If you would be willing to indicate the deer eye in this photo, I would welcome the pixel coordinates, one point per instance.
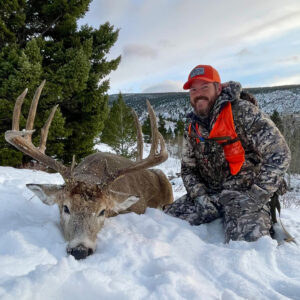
(101, 213)
(66, 209)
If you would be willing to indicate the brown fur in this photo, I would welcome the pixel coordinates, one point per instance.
(103, 184)
(150, 185)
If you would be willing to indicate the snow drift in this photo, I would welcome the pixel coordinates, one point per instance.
(150, 256)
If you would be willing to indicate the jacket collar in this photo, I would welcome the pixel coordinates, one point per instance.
(229, 93)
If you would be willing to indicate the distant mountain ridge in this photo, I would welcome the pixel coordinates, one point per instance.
(175, 106)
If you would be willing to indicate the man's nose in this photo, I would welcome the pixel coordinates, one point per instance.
(197, 93)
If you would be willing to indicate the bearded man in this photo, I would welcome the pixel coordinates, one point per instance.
(233, 160)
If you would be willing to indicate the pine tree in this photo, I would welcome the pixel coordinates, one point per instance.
(40, 40)
(275, 117)
(146, 128)
(179, 129)
(20, 69)
(169, 133)
(162, 126)
(12, 19)
(119, 131)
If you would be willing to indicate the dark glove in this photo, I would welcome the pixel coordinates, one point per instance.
(254, 198)
(259, 195)
(228, 197)
(206, 200)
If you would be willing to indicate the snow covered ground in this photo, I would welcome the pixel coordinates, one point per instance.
(150, 256)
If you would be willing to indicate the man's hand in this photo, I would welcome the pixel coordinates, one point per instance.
(252, 199)
(259, 194)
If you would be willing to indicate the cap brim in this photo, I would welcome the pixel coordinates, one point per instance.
(188, 84)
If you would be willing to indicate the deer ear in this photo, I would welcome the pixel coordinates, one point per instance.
(118, 207)
(46, 192)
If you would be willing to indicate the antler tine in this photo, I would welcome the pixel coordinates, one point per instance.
(17, 110)
(32, 111)
(22, 139)
(139, 136)
(154, 130)
(45, 130)
(73, 165)
(154, 158)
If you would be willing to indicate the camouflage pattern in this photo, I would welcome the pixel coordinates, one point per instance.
(196, 211)
(242, 199)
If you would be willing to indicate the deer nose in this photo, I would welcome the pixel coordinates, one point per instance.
(80, 252)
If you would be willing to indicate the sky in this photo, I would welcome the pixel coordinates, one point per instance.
(160, 41)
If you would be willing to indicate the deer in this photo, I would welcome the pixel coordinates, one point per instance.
(102, 185)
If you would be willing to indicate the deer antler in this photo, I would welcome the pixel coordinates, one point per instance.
(22, 140)
(155, 157)
(139, 137)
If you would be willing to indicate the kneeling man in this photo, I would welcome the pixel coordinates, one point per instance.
(234, 159)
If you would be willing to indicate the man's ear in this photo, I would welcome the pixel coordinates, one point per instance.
(46, 192)
(219, 88)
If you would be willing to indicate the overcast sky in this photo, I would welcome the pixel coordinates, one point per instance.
(254, 42)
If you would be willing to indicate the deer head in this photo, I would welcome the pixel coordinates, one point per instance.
(91, 191)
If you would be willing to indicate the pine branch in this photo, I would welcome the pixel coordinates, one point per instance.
(42, 34)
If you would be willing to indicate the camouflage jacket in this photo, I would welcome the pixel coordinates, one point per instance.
(204, 169)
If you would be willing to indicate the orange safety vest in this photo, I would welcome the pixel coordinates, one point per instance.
(223, 132)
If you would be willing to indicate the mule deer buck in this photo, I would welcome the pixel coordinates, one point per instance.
(102, 185)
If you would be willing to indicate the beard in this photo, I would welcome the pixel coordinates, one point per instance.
(204, 108)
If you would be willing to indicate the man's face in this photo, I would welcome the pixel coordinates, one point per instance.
(203, 96)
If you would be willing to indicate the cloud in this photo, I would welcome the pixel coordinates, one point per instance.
(244, 52)
(295, 59)
(165, 39)
(293, 79)
(139, 50)
(166, 43)
(274, 27)
(165, 87)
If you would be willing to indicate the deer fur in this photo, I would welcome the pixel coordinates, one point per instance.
(102, 185)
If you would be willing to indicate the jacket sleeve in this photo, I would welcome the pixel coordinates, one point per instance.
(190, 176)
(268, 143)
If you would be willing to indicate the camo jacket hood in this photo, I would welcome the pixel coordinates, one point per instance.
(204, 167)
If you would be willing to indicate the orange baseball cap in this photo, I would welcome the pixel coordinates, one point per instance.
(203, 72)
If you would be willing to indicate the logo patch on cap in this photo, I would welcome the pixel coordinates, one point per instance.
(196, 72)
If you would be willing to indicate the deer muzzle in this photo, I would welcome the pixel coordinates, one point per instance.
(80, 252)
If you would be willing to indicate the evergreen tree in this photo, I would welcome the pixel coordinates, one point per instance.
(166, 133)
(169, 133)
(162, 126)
(275, 117)
(40, 40)
(146, 128)
(179, 129)
(12, 19)
(119, 131)
(20, 69)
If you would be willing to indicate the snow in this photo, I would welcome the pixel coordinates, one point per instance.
(150, 256)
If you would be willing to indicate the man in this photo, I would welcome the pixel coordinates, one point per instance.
(234, 159)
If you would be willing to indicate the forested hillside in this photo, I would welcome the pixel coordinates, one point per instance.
(281, 103)
(284, 99)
